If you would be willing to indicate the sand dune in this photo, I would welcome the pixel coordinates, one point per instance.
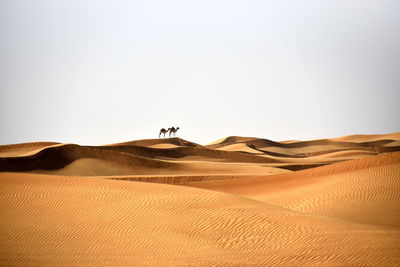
(368, 137)
(151, 142)
(240, 148)
(364, 190)
(23, 149)
(100, 222)
(169, 202)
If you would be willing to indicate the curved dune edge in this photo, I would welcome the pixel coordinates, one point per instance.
(368, 137)
(80, 221)
(29, 144)
(24, 149)
(151, 142)
(240, 147)
(364, 190)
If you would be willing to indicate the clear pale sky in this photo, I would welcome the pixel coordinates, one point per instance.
(97, 72)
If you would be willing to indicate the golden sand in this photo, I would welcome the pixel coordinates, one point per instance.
(169, 202)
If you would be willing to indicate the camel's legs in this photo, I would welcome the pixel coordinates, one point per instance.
(162, 131)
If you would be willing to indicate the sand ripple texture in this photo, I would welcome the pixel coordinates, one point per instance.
(52, 220)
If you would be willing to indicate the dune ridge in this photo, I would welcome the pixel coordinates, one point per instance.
(23, 149)
(151, 142)
(368, 137)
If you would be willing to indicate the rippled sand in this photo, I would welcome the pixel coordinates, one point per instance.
(169, 202)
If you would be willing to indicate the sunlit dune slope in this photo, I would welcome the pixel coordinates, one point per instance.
(364, 190)
(152, 142)
(165, 145)
(50, 220)
(241, 147)
(23, 149)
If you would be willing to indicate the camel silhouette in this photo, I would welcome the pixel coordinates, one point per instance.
(173, 131)
(163, 131)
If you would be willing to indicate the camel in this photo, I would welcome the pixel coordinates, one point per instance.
(163, 131)
(173, 131)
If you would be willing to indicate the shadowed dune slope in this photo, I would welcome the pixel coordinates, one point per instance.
(231, 140)
(363, 190)
(81, 221)
(57, 157)
(368, 137)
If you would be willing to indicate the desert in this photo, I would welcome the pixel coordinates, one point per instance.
(199, 133)
(170, 202)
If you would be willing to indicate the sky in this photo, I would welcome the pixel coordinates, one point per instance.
(97, 72)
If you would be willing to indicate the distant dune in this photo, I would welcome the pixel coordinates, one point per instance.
(238, 201)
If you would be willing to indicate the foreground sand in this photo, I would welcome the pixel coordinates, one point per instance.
(239, 201)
